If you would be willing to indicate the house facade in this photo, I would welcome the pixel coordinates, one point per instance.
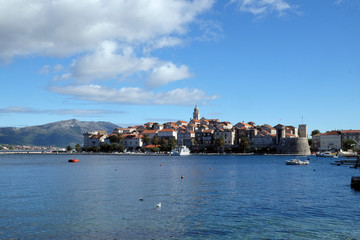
(330, 140)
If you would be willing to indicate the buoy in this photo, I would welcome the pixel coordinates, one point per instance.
(158, 205)
(210, 168)
(182, 177)
(73, 160)
(160, 165)
(140, 199)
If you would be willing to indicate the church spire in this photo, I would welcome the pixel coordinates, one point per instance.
(196, 114)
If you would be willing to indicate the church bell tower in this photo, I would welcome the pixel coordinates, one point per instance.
(196, 114)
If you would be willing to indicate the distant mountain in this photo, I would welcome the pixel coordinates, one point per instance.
(59, 134)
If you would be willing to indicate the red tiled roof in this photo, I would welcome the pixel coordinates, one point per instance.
(208, 131)
(182, 121)
(152, 145)
(331, 133)
(350, 131)
(167, 130)
(96, 136)
(149, 131)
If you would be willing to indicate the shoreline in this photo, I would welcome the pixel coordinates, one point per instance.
(142, 154)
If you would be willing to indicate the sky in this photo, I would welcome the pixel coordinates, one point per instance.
(135, 61)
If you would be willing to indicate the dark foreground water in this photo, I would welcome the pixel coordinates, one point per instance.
(220, 197)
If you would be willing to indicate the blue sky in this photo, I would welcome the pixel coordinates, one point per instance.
(130, 62)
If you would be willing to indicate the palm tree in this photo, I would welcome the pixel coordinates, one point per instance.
(219, 142)
(146, 140)
(155, 140)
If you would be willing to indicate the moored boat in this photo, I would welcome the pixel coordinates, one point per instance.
(327, 154)
(73, 160)
(297, 162)
(181, 151)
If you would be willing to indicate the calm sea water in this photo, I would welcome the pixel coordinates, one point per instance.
(220, 197)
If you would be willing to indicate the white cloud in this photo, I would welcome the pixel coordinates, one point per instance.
(166, 73)
(110, 62)
(134, 95)
(64, 28)
(105, 40)
(260, 7)
(58, 68)
(45, 69)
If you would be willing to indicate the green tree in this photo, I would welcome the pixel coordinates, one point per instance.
(69, 148)
(244, 144)
(154, 149)
(164, 145)
(155, 140)
(219, 142)
(78, 147)
(105, 147)
(116, 138)
(146, 140)
(348, 144)
(172, 143)
(314, 132)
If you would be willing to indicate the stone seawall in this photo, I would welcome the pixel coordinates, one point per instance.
(299, 146)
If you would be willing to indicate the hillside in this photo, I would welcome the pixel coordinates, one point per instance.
(59, 134)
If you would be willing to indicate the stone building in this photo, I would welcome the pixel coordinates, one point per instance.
(196, 114)
(330, 140)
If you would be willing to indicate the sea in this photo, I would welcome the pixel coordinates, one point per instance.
(43, 196)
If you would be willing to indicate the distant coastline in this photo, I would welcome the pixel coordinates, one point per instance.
(140, 154)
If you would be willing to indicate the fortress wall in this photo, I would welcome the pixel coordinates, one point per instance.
(299, 146)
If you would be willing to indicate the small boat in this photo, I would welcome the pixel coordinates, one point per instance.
(297, 162)
(327, 154)
(181, 151)
(73, 160)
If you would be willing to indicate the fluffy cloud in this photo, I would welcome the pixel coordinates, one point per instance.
(109, 62)
(105, 40)
(166, 73)
(134, 95)
(259, 7)
(64, 28)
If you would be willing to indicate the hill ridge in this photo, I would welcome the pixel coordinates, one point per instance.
(59, 134)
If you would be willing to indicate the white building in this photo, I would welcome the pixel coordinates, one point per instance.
(167, 133)
(132, 141)
(184, 137)
(227, 135)
(150, 133)
(330, 140)
(94, 138)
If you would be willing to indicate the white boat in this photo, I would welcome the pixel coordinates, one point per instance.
(297, 162)
(327, 154)
(347, 153)
(181, 151)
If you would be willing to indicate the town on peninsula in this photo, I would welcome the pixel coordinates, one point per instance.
(202, 135)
